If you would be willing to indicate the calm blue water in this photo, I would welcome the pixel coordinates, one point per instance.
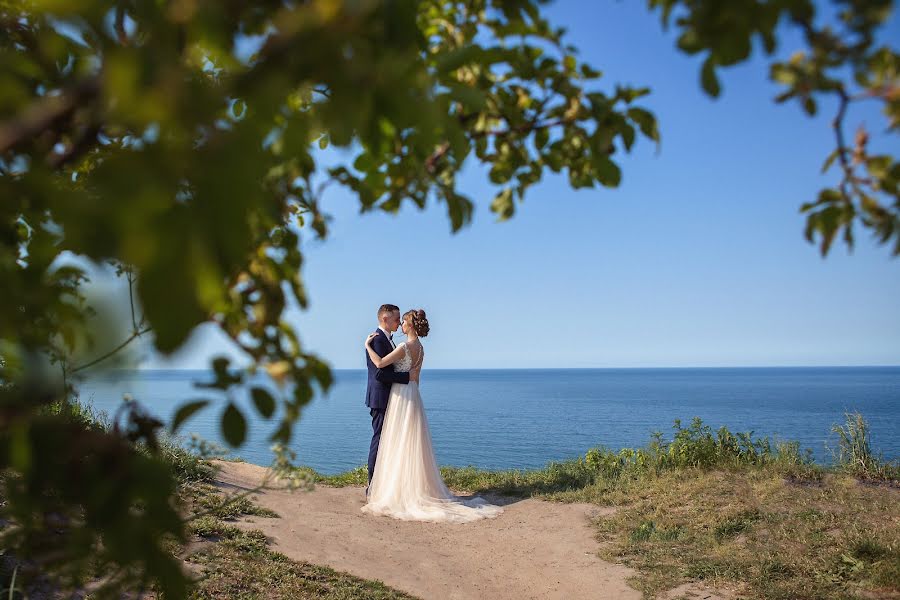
(527, 418)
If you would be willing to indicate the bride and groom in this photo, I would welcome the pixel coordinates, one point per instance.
(404, 479)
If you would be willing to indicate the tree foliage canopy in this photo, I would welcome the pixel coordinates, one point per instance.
(842, 61)
(137, 133)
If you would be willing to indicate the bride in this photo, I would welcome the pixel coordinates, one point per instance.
(407, 484)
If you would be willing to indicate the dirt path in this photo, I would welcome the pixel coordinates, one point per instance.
(535, 549)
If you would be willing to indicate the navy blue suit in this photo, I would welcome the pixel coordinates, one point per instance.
(378, 390)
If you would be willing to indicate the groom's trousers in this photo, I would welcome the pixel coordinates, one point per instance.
(377, 422)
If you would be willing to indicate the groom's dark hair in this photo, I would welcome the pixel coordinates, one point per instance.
(387, 308)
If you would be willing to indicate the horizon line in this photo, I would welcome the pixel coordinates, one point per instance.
(868, 366)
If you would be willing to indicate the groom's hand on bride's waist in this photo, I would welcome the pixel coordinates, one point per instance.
(388, 376)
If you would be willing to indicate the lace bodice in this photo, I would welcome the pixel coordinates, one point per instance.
(411, 362)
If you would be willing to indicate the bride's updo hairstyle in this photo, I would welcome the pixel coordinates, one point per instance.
(419, 322)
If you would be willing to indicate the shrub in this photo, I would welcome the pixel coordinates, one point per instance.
(854, 452)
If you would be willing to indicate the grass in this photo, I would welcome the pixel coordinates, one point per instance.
(239, 564)
(731, 510)
(693, 448)
(854, 454)
(756, 532)
(229, 562)
(225, 561)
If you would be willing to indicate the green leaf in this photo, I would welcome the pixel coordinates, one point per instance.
(554, 157)
(830, 160)
(708, 78)
(166, 283)
(185, 412)
(769, 42)
(733, 48)
(472, 98)
(320, 372)
(503, 204)
(878, 165)
(283, 433)
(627, 132)
(323, 142)
(830, 196)
(459, 208)
(645, 121)
(264, 402)
(809, 105)
(224, 379)
(607, 172)
(783, 73)
(631, 94)
(20, 451)
(238, 109)
(364, 162)
(690, 42)
(588, 72)
(220, 366)
(234, 426)
(454, 59)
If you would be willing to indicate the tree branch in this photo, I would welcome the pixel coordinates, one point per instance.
(842, 150)
(136, 334)
(84, 142)
(128, 273)
(528, 127)
(46, 113)
(432, 160)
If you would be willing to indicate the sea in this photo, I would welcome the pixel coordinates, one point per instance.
(527, 418)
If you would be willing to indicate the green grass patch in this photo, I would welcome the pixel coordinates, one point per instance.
(206, 498)
(358, 476)
(753, 530)
(241, 566)
(854, 452)
(736, 524)
(648, 531)
(231, 562)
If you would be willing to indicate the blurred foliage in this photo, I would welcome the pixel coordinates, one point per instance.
(842, 63)
(189, 144)
(139, 134)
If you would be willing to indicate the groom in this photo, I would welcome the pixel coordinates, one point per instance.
(379, 385)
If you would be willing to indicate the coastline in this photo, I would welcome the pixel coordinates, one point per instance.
(522, 419)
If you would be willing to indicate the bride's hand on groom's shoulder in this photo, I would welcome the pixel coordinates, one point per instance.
(370, 338)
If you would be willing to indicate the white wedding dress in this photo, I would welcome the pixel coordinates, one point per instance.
(407, 483)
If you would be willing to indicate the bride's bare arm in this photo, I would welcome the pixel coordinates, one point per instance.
(378, 361)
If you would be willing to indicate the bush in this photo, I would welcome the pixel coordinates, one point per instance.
(693, 446)
(854, 453)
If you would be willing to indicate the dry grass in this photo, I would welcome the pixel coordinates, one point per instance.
(229, 563)
(239, 565)
(754, 532)
(733, 512)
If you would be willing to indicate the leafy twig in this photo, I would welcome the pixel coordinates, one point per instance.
(136, 334)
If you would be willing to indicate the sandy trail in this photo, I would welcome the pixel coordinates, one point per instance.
(535, 549)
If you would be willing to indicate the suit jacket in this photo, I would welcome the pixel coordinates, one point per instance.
(378, 387)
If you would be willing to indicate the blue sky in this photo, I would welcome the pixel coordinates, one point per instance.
(697, 259)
